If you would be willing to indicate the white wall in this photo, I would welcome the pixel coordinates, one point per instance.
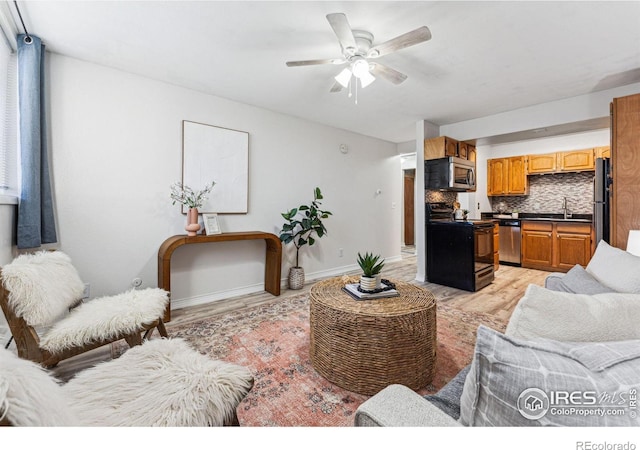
(116, 141)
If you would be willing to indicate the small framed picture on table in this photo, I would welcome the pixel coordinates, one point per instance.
(211, 224)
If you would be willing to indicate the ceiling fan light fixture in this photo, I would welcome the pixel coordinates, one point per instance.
(366, 79)
(360, 68)
(344, 77)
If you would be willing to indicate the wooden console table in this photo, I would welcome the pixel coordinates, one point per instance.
(273, 262)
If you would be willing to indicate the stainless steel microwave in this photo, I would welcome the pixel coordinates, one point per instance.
(450, 174)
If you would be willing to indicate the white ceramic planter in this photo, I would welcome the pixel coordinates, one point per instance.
(296, 278)
(369, 283)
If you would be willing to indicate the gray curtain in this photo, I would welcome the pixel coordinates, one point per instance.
(36, 221)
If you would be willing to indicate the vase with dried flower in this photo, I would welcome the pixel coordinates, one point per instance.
(183, 194)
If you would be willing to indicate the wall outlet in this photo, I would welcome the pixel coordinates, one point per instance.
(86, 293)
(340, 252)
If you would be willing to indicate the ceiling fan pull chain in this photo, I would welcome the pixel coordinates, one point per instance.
(356, 83)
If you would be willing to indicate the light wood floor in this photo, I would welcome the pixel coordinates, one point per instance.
(497, 299)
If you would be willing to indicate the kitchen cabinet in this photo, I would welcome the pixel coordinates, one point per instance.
(542, 163)
(440, 147)
(569, 161)
(496, 246)
(576, 160)
(471, 152)
(463, 150)
(556, 246)
(507, 176)
(603, 152)
(537, 245)
(625, 166)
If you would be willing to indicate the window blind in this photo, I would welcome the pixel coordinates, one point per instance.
(8, 121)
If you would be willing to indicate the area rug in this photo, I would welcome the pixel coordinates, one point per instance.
(273, 341)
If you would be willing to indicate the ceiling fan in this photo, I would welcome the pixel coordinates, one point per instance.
(358, 51)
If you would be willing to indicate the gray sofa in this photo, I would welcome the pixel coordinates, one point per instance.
(574, 313)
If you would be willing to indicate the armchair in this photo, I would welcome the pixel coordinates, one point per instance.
(40, 295)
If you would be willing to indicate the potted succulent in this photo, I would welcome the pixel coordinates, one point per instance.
(371, 265)
(302, 223)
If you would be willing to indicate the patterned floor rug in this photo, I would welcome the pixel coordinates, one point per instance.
(273, 341)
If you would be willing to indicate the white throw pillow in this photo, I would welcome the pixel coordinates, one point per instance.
(615, 268)
(563, 316)
(549, 383)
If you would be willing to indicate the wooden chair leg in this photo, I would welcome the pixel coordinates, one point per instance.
(133, 339)
(162, 329)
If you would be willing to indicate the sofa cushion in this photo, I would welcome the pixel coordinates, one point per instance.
(562, 316)
(579, 281)
(513, 382)
(447, 399)
(615, 268)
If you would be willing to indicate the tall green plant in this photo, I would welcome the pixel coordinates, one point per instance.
(303, 222)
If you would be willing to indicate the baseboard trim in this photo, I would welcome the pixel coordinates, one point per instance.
(259, 287)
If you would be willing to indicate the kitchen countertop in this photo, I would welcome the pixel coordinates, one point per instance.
(551, 217)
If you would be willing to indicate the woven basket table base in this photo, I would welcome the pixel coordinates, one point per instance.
(366, 345)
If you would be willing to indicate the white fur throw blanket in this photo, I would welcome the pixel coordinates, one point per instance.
(162, 382)
(105, 318)
(42, 286)
(29, 396)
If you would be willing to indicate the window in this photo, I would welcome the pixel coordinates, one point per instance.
(8, 120)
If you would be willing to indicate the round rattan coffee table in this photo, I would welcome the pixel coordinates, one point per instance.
(366, 345)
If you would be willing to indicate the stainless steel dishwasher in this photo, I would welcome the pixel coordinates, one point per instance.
(510, 242)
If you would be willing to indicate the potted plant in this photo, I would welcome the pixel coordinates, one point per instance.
(302, 223)
(191, 199)
(371, 266)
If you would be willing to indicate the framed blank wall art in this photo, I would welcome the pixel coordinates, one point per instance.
(211, 153)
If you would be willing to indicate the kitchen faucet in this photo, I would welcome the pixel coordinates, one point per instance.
(565, 208)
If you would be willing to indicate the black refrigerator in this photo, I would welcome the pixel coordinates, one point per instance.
(602, 199)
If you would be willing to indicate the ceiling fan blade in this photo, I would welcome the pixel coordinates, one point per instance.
(314, 62)
(387, 73)
(337, 87)
(414, 37)
(342, 29)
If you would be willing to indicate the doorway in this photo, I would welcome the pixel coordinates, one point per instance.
(408, 207)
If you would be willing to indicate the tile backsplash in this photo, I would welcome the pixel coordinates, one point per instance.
(440, 196)
(547, 192)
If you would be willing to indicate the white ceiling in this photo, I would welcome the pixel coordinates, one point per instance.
(484, 57)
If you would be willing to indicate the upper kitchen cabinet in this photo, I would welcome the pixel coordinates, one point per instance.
(603, 152)
(440, 147)
(569, 161)
(507, 176)
(625, 166)
(542, 163)
(444, 146)
(576, 160)
(471, 152)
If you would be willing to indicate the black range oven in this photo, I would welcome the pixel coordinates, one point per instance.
(459, 253)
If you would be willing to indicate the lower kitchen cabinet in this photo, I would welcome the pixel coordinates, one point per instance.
(556, 246)
(496, 246)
